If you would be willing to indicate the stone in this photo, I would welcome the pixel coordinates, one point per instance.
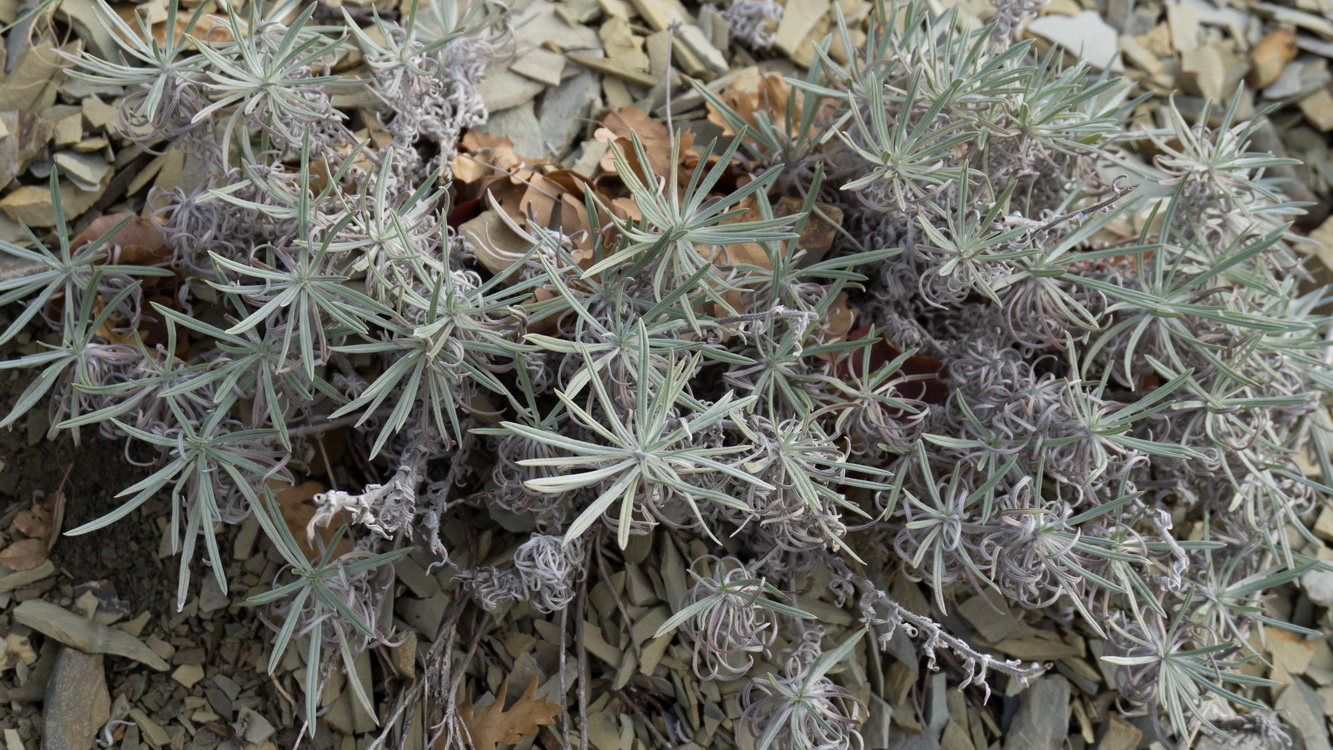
(566, 109)
(89, 145)
(1120, 735)
(257, 728)
(797, 19)
(1042, 721)
(14, 648)
(77, 701)
(936, 716)
(421, 584)
(1211, 14)
(1291, 652)
(10, 580)
(1303, 709)
(992, 625)
(24, 140)
(1206, 67)
(423, 614)
(503, 89)
(1085, 35)
(875, 731)
(540, 65)
(823, 611)
(33, 80)
(1036, 645)
(1318, 109)
(1184, 24)
(539, 24)
(68, 129)
(1270, 56)
(188, 674)
(1323, 525)
(521, 126)
(694, 38)
(98, 114)
(613, 68)
(82, 15)
(85, 635)
(1320, 668)
(660, 14)
(32, 205)
(151, 730)
(211, 598)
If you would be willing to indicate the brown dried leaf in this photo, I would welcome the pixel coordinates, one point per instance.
(820, 229)
(34, 523)
(149, 246)
(298, 508)
(1270, 55)
(749, 253)
(493, 725)
(210, 29)
(574, 221)
(653, 135)
(484, 156)
(749, 93)
(24, 554)
(323, 168)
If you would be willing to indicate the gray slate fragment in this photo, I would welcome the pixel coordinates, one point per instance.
(875, 732)
(1042, 722)
(257, 727)
(565, 109)
(77, 701)
(211, 598)
(937, 716)
(13, 268)
(85, 635)
(1318, 585)
(502, 88)
(1302, 708)
(520, 125)
(991, 625)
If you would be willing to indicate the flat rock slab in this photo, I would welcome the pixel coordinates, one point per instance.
(1042, 722)
(77, 701)
(84, 635)
(1302, 708)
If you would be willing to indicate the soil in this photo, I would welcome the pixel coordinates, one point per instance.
(134, 578)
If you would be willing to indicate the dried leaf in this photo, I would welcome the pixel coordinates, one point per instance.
(483, 156)
(24, 554)
(493, 725)
(925, 374)
(841, 318)
(322, 169)
(209, 28)
(140, 242)
(748, 253)
(751, 91)
(297, 510)
(34, 523)
(1271, 55)
(653, 135)
(820, 229)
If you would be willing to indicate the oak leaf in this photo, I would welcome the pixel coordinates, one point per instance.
(493, 725)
